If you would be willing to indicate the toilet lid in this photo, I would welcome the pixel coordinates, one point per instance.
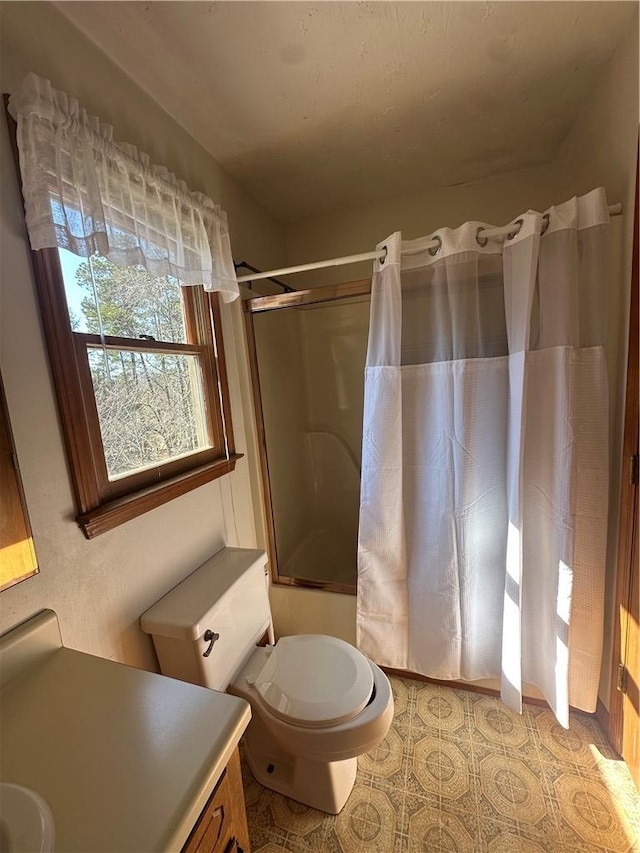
(315, 680)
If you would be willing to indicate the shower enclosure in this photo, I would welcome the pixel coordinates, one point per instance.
(308, 352)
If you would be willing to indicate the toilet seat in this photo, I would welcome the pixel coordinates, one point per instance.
(313, 680)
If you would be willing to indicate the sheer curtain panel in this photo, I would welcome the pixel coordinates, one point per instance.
(485, 456)
(88, 194)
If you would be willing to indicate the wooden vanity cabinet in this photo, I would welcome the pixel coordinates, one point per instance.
(222, 826)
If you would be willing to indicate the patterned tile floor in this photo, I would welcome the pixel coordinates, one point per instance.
(460, 772)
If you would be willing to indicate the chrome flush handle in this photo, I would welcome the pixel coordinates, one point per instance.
(209, 637)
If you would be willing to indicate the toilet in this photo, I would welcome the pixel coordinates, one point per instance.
(316, 701)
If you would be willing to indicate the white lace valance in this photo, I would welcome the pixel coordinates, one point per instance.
(88, 194)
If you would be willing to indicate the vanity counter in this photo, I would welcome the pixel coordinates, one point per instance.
(126, 759)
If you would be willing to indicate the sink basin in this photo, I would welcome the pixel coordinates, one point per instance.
(26, 823)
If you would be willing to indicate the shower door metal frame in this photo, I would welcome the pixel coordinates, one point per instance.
(326, 293)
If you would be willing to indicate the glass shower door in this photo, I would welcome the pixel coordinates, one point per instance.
(309, 384)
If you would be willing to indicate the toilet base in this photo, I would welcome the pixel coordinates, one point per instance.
(323, 785)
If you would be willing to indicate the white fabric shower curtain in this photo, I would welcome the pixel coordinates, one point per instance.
(485, 458)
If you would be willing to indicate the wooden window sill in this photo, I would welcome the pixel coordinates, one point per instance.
(113, 513)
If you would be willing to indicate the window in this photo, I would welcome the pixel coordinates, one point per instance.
(139, 371)
(129, 266)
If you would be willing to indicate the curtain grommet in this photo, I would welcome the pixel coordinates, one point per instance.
(383, 257)
(435, 249)
(481, 241)
(546, 219)
(519, 223)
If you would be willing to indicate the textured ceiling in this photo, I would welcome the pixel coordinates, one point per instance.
(320, 106)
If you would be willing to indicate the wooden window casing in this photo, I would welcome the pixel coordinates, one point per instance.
(102, 503)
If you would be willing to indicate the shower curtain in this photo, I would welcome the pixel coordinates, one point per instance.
(485, 457)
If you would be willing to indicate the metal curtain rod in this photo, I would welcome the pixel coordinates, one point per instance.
(483, 234)
(250, 278)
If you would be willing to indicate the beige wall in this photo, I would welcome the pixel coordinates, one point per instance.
(497, 199)
(99, 588)
(312, 611)
(600, 150)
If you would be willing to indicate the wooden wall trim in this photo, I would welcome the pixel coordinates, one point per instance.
(602, 715)
(470, 687)
(628, 503)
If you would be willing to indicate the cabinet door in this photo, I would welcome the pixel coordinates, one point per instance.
(222, 826)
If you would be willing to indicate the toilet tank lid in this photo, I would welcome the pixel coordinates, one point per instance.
(181, 613)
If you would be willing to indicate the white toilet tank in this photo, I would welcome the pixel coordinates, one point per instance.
(225, 600)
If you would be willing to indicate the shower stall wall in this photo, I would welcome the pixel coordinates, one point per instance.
(308, 353)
